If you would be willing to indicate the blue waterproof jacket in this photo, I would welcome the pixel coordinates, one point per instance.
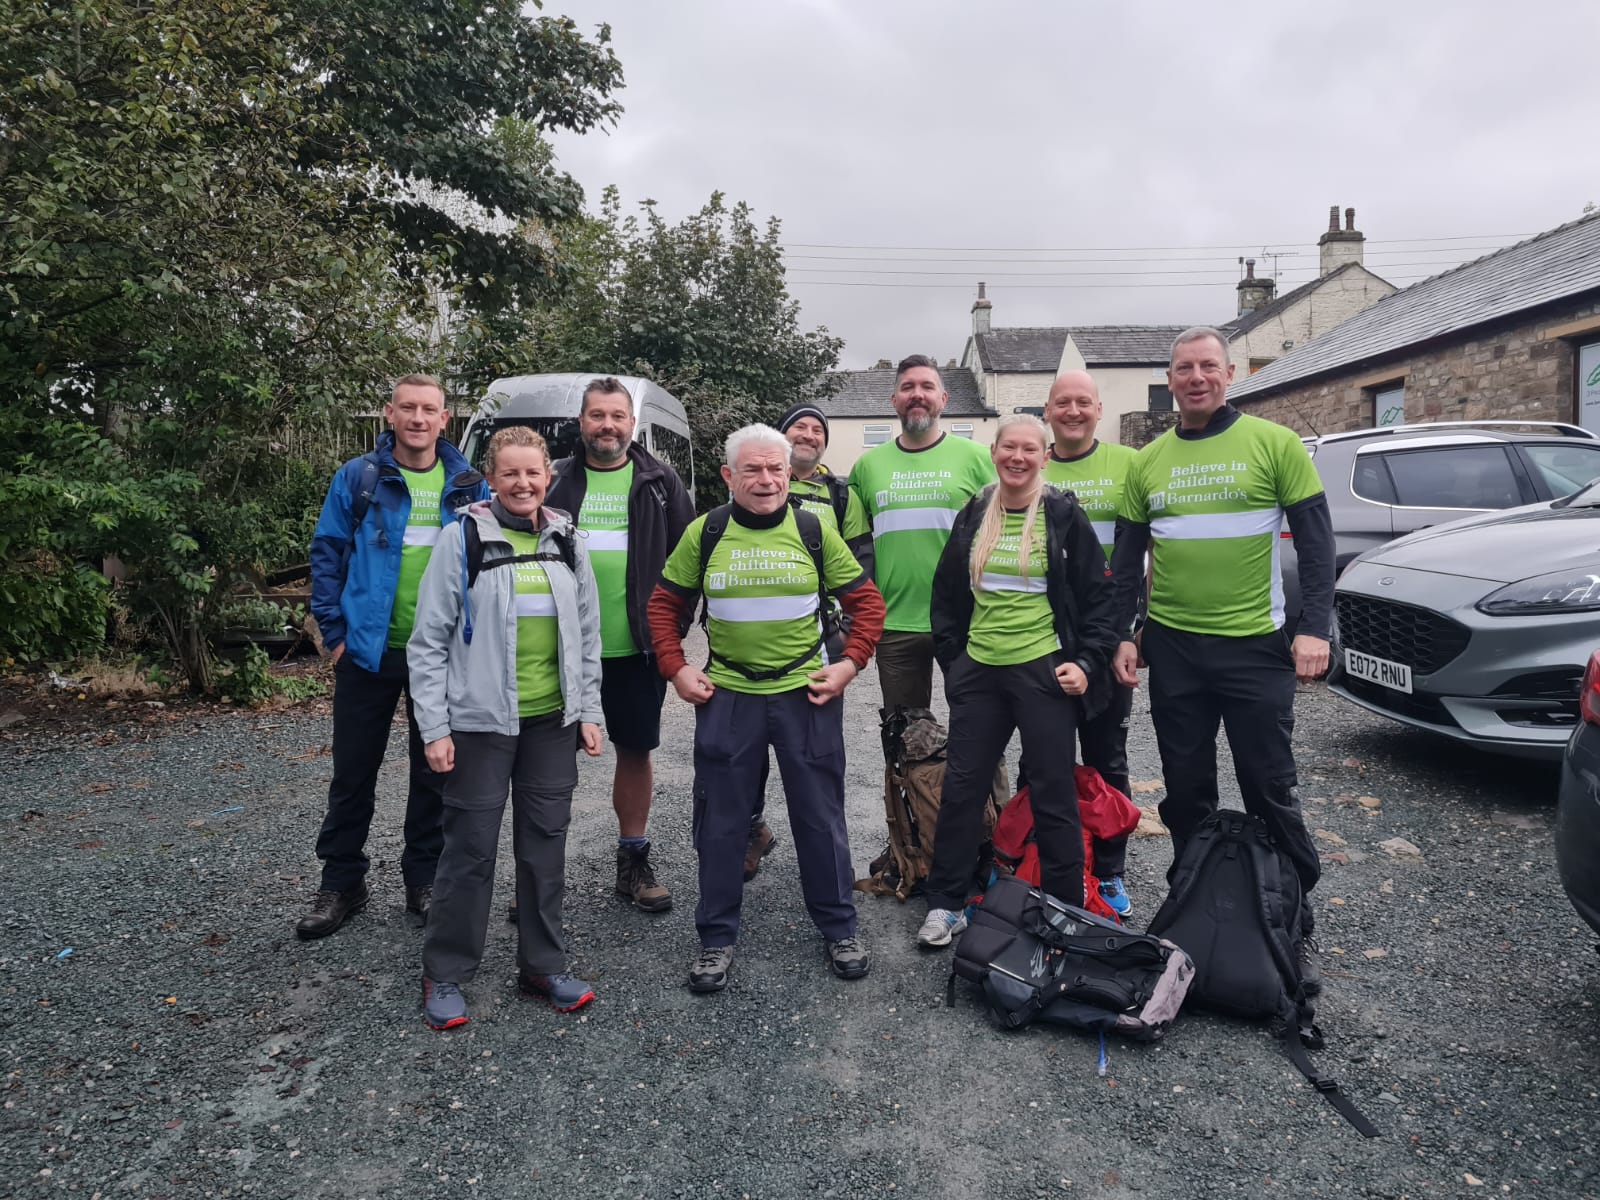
(354, 571)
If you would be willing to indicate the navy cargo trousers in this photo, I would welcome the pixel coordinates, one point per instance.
(731, 734)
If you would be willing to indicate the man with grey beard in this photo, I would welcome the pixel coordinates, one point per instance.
(911, 489)
(633, 508)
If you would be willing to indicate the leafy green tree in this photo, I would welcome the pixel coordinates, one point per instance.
(207, 260)
(701, 306)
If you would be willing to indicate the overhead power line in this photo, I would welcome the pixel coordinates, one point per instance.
(1244, 247)
(1201, 258)
(967, 287)
(1213, 272)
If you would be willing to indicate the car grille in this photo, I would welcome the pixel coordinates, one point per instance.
(1423, 640)
(1418, 706)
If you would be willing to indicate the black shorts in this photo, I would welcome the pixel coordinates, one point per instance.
(631, 693)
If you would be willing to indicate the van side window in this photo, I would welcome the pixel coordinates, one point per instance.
(1470, 477)
(672, 448)
(1371, 480)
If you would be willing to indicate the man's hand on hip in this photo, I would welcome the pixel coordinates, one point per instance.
(1310, 657)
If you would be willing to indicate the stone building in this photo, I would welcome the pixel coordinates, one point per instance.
(1514, 335)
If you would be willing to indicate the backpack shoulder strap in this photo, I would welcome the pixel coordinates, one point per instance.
(716, 525)
(839, 493)
(472, 551)
(366, 488)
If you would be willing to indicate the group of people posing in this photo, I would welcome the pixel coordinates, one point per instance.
(522, 610)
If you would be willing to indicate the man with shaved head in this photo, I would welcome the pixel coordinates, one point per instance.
(1094, 470)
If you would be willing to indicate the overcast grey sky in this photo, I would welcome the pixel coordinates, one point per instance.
(1169, 137)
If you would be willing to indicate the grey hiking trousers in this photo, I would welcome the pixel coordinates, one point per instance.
(539, 768)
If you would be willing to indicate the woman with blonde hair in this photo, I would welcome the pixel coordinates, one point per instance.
(1022, 626)
(505, 676)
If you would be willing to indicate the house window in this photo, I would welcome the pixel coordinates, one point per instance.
(1389, 405)
(1257, 363)
(961, 428)
(875, 435)
(1160, 398)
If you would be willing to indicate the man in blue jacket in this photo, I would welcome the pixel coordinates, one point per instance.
(379, 522)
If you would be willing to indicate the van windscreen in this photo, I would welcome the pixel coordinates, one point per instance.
(560, 433)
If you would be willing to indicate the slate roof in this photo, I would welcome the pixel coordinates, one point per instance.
(1020, 349)
(1244, 324)
(866, 393)
(1562, 262)
(1126, 345)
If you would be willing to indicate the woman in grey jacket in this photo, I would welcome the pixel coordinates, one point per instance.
(505, 679)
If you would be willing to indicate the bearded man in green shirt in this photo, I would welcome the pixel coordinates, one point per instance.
(912, 488)
(1208, 500)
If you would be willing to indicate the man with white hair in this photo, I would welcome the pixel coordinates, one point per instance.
(767, 569)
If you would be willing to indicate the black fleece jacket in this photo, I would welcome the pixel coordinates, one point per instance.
(659, 510)
(1076, 585)
(1310, 521)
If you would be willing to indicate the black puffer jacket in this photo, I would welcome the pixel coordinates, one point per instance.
(1076, 585)
(659, 510)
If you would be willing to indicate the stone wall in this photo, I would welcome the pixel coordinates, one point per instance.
(1142, 428)
(1519, 369)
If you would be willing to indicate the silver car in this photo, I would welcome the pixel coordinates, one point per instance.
(1480, 629)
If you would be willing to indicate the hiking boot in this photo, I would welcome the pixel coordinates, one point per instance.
(761, 844)
(1310, 968)
(940, 927)
(848, 958)
(709, 970)
(1116, 896)
(637, 881)
(329, 910)
(443, 1005)
(564, 993)
(419, 900)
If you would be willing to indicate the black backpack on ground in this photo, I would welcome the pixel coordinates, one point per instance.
(1235, 908)
(1038, 959)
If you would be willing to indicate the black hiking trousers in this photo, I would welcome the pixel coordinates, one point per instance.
(1245, 684)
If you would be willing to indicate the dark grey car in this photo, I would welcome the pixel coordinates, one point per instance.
(1578, 808)
(1384, 483)
(1479, 629)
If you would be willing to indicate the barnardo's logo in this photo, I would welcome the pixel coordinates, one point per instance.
(1158, 501)
(883, 500)
(1594, 377)
(717, 580)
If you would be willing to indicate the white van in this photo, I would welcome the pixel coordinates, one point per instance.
(551, 404)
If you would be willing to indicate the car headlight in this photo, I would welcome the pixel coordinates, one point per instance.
(1563, 591)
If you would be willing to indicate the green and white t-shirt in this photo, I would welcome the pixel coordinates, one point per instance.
(1215, 507)
(538, 676)
(1096, 478)
(422, 531)
(1011, 618)
(912, 498)
(816, 497)
(761, 597)
(604, 518)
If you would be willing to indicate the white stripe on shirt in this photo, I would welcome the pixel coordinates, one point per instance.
(421, 535)
(606, 539)
(536, 604)
(762, 608)
(1251, 523)
(1105, 532)
(992, 582)
(899, 520)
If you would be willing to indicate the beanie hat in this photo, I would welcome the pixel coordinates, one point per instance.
(804, 410)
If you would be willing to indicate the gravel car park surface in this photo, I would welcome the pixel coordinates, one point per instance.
(190, 1046)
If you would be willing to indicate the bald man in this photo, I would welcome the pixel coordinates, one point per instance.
(1080, 463)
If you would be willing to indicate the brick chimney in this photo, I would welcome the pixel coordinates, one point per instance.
(1340, 246)
(1254, 293)
(980, 311)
